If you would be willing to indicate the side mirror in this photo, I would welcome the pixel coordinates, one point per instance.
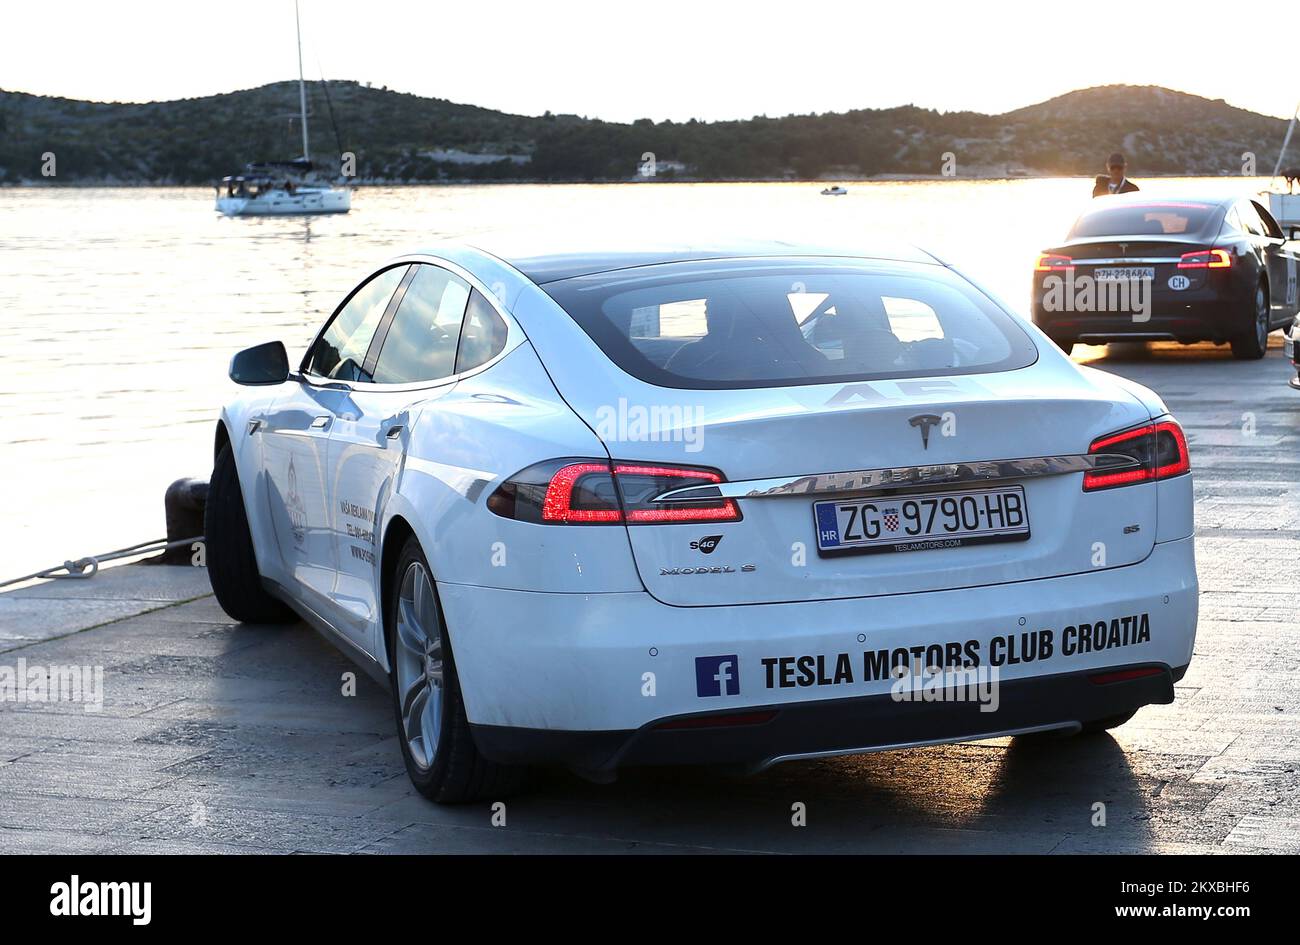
(1293, 233)
(263, 364)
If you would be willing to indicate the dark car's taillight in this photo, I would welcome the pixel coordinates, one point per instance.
(1053, 262)
(1158, 451)
(1205, 259)
(598, 492)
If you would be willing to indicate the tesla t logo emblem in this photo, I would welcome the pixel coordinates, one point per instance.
(1123, 249)
(925, 421)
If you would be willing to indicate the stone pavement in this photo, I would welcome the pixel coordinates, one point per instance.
(215, 737)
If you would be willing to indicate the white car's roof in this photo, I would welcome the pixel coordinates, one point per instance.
(547, 256)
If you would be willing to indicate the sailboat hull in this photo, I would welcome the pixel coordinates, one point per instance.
(283, 204)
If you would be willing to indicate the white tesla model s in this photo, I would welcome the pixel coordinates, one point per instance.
(730, 503)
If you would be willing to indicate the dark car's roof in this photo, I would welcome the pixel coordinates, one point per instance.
(547, 257)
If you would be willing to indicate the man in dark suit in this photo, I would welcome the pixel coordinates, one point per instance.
(1113, 181)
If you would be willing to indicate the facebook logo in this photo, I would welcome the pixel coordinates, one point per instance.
(717, 675)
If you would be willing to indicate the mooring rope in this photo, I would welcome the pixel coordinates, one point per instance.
(88, 566)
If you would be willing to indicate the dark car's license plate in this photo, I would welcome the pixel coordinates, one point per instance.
(922, 522)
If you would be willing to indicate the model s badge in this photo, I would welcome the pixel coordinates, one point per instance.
(925, 421)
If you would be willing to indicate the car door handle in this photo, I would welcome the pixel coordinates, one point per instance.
(320, 423)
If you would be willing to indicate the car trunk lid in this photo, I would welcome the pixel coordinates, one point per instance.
(805, 433)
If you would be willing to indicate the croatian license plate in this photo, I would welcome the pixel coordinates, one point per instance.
(1126, 274)
(922, 522)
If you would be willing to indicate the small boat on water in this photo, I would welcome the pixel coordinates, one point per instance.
(279, 188)
(282, 188)
(836, 191)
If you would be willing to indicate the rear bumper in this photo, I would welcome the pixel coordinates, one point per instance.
(588, 679)
(1213, 318)
(835, 726)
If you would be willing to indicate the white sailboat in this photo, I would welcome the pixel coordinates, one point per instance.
(282, 188)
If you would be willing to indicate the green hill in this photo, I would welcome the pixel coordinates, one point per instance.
(400, 137)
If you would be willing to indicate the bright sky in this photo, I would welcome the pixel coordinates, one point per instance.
(658, 59)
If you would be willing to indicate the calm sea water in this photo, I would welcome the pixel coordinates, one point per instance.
(120, 308)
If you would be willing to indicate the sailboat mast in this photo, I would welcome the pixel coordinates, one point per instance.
(302, 85)
(1287, 140)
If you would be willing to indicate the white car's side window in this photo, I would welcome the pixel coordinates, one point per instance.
(483, 335)
(340, 352)
(442, 327)
(422, 340)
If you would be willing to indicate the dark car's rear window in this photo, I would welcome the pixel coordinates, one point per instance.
(1154, 218)
(752, 323)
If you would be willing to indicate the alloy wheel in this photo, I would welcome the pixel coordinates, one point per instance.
(419, 664)
(1261, 316)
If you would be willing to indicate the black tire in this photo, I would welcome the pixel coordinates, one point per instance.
(1252, 344)
(457, 773)
(232, 566)
(1096, 726)
(1065, 342)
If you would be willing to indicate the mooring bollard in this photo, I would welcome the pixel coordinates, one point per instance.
(183, 502)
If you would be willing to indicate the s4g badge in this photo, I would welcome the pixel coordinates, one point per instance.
(707, 544)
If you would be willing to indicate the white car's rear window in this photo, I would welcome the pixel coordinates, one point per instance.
(754, 323)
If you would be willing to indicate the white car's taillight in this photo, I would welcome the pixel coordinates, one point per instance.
(1160, 449)
(598, 492)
